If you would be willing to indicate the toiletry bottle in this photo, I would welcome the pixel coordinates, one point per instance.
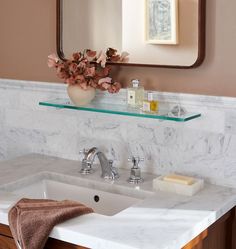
(135, 94)
(151, 104)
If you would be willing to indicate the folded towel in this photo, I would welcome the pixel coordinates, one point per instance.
(32, 220)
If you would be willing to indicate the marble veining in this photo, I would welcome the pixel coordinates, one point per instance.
(161, 220)
(204, 147)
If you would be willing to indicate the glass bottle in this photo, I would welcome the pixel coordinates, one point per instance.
(151, 104)
(135, 94)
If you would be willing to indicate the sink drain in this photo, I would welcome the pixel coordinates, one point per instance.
(96, 198)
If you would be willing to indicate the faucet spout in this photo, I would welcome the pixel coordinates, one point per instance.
(106, 167)
(91, 154)
(108, 171)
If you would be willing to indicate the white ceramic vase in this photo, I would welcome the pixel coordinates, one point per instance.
(80, 97)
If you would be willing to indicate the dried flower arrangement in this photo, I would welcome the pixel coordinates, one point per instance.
(88, 69)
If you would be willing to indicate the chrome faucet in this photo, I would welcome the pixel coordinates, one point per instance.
(108, 171)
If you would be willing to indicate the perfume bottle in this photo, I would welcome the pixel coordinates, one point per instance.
(135, 94)
(151, 104)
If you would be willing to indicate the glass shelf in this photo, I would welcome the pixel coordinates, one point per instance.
(120, 109)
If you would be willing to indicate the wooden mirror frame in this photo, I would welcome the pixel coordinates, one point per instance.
(201, 38)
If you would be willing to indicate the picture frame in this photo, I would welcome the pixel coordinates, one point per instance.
(162, 22)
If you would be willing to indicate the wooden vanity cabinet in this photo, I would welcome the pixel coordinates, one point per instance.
(221, 235)
(58, 244)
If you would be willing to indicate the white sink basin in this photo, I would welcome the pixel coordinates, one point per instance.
(102, 202)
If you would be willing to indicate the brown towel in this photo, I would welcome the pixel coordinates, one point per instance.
(31, 221)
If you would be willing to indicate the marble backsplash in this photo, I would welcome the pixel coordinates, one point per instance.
(205, 147)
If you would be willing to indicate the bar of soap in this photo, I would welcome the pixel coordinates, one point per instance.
(185, 180)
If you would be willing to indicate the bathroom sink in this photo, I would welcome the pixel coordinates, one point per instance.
(102, 202)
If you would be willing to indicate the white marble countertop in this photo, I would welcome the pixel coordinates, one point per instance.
(161, 221)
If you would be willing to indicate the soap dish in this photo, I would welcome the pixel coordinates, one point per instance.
(177, 188)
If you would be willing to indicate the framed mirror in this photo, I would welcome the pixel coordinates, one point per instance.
(157, 33)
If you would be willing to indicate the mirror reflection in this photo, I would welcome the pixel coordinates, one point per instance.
(154, 32)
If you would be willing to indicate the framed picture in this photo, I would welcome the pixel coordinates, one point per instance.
(162, 21)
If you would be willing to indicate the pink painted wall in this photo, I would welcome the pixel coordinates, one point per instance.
(27, 36)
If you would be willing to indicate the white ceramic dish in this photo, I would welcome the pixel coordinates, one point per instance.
(160, 185)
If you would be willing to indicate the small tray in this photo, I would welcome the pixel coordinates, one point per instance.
(177, 188)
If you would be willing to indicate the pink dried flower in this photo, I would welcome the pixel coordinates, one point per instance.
(60, 67)
(76, 56)
(73, 67)
(91, 54)
(114, 88)
(80, 79)
(52, 60)
(83, 64)
(93, 83)
(111, 52)
(88, 69)
(63, 75)
(106, 70)
(102, 59)
(103, 72)
(105, 86)
(105, 80)
(115, 58)
(89, 72)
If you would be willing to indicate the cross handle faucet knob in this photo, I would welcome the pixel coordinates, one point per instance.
(135, 173)
(135, 160)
